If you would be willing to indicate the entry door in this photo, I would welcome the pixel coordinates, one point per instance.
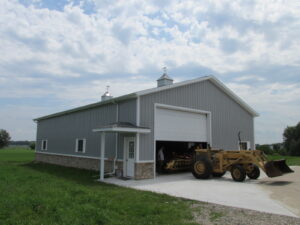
(130, 155)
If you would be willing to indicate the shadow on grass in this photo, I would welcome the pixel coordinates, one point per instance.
(82, 176)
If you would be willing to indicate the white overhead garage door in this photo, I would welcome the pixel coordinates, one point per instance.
(177, 125)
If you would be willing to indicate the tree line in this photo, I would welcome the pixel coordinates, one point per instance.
(290, 145)
(5, 140)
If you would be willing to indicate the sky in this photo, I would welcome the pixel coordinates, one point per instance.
(56, 55)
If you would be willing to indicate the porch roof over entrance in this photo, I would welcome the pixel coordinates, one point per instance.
(122, 127)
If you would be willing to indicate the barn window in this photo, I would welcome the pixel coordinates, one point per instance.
(80, 145)
(44, 145)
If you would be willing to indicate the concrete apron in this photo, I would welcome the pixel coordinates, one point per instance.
(223, 191)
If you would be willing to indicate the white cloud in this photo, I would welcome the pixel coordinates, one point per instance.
(249, 77)
(70, 56)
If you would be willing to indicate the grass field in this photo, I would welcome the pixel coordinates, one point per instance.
(291, 160)
(35, 193)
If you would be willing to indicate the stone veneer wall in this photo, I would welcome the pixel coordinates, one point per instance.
(144, 171)
(77, 162)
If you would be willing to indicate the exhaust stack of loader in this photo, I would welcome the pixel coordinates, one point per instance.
(241, 163)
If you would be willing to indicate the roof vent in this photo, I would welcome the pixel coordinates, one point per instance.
(106, 95)
(164, 79)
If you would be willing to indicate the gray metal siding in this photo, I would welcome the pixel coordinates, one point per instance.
(228, 117)
(62, 131)
(127, 111)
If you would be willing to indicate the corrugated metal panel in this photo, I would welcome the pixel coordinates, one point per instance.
(127, 111)
(62, 131)
(228, 117)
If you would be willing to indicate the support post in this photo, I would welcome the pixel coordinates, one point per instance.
(102, 156)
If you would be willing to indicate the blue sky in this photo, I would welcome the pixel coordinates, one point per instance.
(56, 55)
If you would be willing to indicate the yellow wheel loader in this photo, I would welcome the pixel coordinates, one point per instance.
(240, 163)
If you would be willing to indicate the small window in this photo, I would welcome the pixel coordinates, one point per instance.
(80, 145)
(244, 145)
(44, 145)
(131, 150)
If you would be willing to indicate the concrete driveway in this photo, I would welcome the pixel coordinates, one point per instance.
(251, 194)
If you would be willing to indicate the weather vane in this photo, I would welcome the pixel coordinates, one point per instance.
(165, 69)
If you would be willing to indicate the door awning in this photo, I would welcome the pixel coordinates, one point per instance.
(122, 127)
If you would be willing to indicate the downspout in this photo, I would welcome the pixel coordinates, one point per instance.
(116, 150)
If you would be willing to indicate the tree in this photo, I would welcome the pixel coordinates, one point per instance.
(291, 137)
(4, 138)
(265, 148)
(32, 145)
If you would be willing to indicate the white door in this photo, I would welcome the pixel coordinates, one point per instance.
(129, 144)
(178, 125)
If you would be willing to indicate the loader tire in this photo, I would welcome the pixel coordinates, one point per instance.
(254, 174)
(238, 173)
(202, 168)
(218, 174)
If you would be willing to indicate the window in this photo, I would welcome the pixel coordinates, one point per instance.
(244, 145)
(44, 145)
(80, 145)
(131, 150)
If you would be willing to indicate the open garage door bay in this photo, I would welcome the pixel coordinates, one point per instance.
(179, 125)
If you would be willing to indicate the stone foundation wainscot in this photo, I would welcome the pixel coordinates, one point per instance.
(76, 162)
(144, 171)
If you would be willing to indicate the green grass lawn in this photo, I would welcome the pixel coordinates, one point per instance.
(35, 193)
(291, 160)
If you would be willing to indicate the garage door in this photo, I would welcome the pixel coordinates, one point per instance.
(175, 125)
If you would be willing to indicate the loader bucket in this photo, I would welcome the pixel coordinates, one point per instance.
(277, 168)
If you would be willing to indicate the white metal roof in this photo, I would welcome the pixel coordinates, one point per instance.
(211, 78)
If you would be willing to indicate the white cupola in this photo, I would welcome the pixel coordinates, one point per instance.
(164, 79)
(106, 95)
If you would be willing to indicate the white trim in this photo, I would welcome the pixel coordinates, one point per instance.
(124, 158)
(254, 145)
(209, 127)
(178, 108)
(126, 154)
(137, 158)
(145, 161)
(123, 129)
(83, 147)
(154, 140)
(78, 156)
(212, 79)
(42, 144)
(102, 155)
(137, 138)
(248, 144)
(138, 111)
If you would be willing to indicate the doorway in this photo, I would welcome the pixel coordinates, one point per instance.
(129, 150)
